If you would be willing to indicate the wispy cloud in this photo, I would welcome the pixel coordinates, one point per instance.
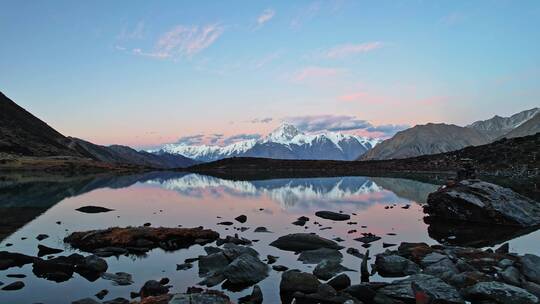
(327, 123)
(305, 14)
(240, 137)
(132, 34)
(266, 16)
(319, 123)
(184, 41)
(314, 72)
(261, 120)
(215, 138)
(267, 59)
(345, 50)
(191, 140)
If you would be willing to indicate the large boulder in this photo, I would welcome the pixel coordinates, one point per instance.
(246, 269)
(393, 265)
(303, 241)
(294, 280)
(438, 289)
(530, 267)
(498, 292)
(483, 202)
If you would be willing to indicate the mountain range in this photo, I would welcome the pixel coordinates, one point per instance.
(285, 142)
(439, 138)
(25, 138)
(23, 134)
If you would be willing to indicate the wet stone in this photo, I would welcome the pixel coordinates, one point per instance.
(93, 209)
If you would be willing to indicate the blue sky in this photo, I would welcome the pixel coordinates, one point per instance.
(143, 73)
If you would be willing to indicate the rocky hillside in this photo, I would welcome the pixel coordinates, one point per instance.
(22, 135)
(498, 127)
(425, 140)
(530, 127)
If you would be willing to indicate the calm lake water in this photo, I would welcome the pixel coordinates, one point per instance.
(32, 205)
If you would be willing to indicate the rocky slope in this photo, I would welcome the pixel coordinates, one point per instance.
(426, 139)
(27, 140)
(24, 134)
(530, 127)
(498, 126)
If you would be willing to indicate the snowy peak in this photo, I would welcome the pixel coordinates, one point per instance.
(284, 134)
(285, 142)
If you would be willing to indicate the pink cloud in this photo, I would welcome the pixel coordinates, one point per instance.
(184, 41)
(345, 50)
(315, 72)
(266, 16)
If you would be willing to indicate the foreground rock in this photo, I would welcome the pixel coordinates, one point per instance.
(499, 293)
(438, 289)
(256, 297)
(303, 241)
(393, 265)
(482, 202)
(318, 255)
(62, 268)
(199, 296)
(140, 239)
(237, 265)
(327, 269)
(329, 215)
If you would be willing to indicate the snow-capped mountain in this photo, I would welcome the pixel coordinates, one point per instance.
(289, 193)
(286, 142)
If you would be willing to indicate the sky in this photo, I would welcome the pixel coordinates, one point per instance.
(144, 73)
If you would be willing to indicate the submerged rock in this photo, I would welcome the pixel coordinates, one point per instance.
(86, 301)
(329, 215)
(303, 241)
(153, 288)
(200, 297)
(118, 278)
(93, 209)
(482, 202)
(140, 239)
(262, 229)
(317, 255)
(327, 269)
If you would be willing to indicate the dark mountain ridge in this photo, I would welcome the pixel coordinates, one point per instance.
(23, 134)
